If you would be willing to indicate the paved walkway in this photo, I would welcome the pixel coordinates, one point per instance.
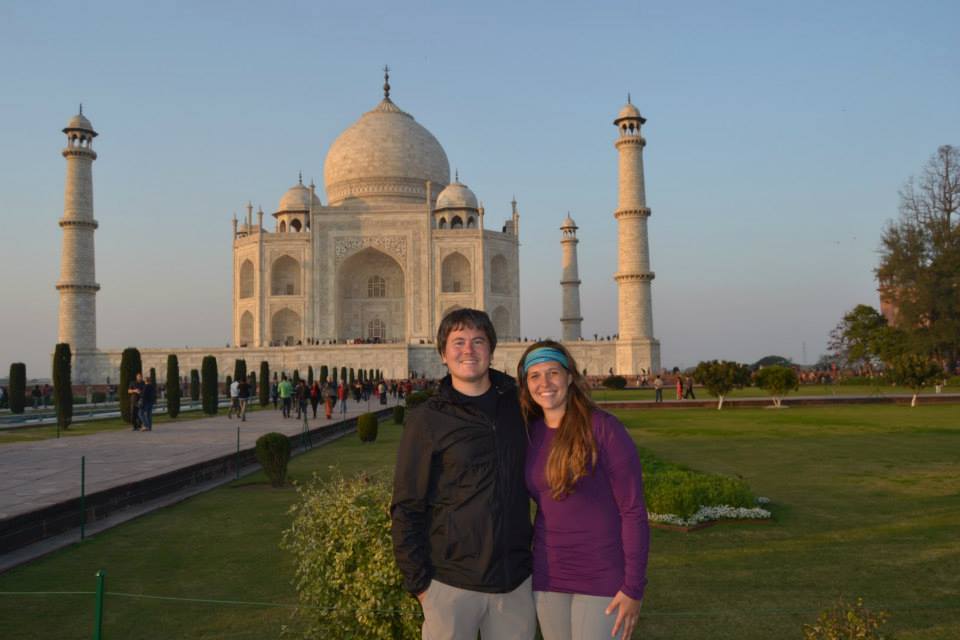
(38, 474)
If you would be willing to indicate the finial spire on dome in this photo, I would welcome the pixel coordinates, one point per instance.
(300, 177)
(81, 108)
(386, 82)
(456, 175)
(628, 98)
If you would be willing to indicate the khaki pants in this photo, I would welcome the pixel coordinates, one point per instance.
(451, 613)
(569, 616)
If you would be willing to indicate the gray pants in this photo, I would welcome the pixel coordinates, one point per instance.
(451, 613)
(569, 616)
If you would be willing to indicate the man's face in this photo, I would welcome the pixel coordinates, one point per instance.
(139, 377)
(467, 355)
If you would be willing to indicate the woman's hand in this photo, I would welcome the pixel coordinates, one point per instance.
(629, 612)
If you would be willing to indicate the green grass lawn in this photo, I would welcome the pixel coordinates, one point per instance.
(880, 389)
(866, 502)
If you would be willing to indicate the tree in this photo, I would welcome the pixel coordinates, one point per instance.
(17, 387)
(194, 385)
(226, 386)
(324, 372)
(863, 338)
(239, 369)
(914, 372)
(62, 385)
(310, 376)
(173, 386)
(768, 361)
(353, 376)
(209, 382)
(720, 377)
(264, 383)
(334, 373)
(343, 374)
(130, 366)
(778, 381)
(919, 271)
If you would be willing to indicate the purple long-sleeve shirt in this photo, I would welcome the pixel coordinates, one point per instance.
(594, 541)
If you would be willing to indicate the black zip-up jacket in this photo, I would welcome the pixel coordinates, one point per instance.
(460, 510)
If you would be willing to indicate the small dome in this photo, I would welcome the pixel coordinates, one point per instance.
(297, 198)
(629, 112)
(79, 122)
(456, 196)
(569, 223)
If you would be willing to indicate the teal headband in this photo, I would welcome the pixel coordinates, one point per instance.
(544, 354)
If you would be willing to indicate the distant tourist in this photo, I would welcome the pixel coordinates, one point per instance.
(591, 536)
(658, 389)
(37, 396)
(243, 395)
(285, 391)
(315, 397)
(329, 397)
(274, 392)
(302, 395)
(688, 388)
(134, 391)
(342, 395)
(679, 386)
(148, 399)
(234, 399)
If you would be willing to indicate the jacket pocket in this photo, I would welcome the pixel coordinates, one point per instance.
(461, 543)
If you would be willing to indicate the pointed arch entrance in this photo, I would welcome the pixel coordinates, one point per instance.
(370, 293)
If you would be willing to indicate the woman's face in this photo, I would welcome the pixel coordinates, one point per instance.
(548, 384)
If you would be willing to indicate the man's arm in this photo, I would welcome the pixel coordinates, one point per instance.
(408, 510)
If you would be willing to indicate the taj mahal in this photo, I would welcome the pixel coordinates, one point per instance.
(363, 279)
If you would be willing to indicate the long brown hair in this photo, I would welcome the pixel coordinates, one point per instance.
(573, 454)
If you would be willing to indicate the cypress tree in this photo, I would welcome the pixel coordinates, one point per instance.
(153, 375)
(343, 374)
(209, 381)
(62, 385)
(296, 377)
(324, 372)
(17, 387)
(226, 386)
(239, 369)
(310, 375)
(353, 376)
(264, 383)
(334, 370)
(194, 385)
(130, 366)
(173, 386)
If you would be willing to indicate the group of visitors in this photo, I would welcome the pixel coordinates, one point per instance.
(239, 398)
(470, 459)
(143, 396)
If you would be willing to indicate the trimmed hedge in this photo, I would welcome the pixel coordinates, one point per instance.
(398, 414)
(17, 387)
(194, 385)
(239, 369)
(130, 366)
(62, 385)
(264, 390)
(367, 425)
(209, 381)
(273, 454)
(615, 382)
(173, 386)
(670, 488)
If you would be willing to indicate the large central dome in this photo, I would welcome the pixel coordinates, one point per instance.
(385, 156)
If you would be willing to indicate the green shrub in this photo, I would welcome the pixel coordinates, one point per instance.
(194, 385)
(346, 578)
(17, 387)
(173, 386)
(79, 399)
(264, 383)
(273, 454)
(670, 488)
(367, 427)
(98, 397)
(209, 382)
(130, 366)
(226, 386)
(418, 397)
(777, 380)
(615, 382)
(847, 621)
(398, 414)
(239, 369)
(62, 385)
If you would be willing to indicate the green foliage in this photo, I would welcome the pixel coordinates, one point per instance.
(17, 387)
(615, 382)
(62, 385)
(418, 397)
(768, 361)
(720, 377)
(324, 372)
(226, 386)
(310, 376)
(335, 373)
(670, 488)
(345, 574)
(343, 374)
(130, 366)
(98, 397)
(296, 377)
(367, 424)
(273, 454)
(240, 369)
(398, 414)
(264, 390)
(863, 337)
(353, 376)
(914, 372)
(194, 385)
(208, 384)
(777, 381)
(173, 386)
(847, 621)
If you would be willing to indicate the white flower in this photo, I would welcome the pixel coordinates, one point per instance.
(705, 514)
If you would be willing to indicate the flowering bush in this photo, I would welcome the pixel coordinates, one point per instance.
(706, 514)
(847, 621)
(346, 577)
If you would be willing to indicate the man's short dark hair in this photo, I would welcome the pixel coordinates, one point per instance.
(460, 318)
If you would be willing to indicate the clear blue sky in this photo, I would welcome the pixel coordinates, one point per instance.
(778, 136)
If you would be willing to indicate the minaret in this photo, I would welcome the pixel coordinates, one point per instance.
(636, 347)
(77, 285)
(570, 318)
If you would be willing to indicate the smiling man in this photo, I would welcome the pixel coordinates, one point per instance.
(461, 515)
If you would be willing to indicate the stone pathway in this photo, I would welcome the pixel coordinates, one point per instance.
(38, 474)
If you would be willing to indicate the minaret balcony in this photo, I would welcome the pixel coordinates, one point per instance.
(634, 277)
(642, 212)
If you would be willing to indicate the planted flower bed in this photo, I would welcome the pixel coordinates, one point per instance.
(683, 499)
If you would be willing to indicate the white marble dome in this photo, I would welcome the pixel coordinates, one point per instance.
(629, 112)
(386, 155)
(456, 196)
(80, 122)
(297, 198)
